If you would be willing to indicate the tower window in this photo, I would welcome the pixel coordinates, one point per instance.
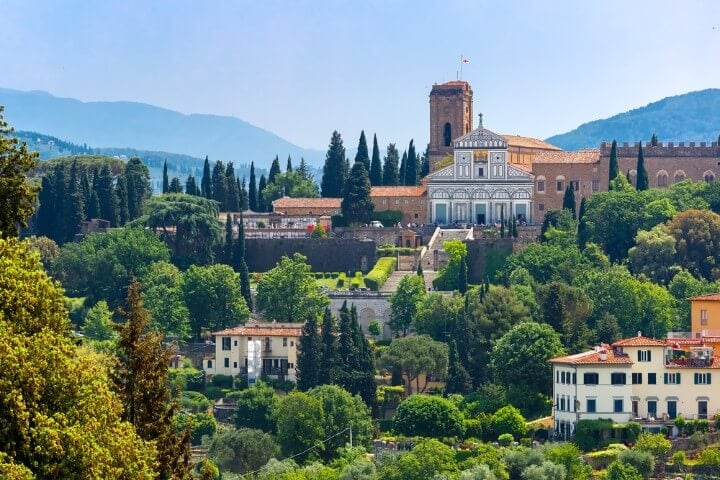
(447, 134)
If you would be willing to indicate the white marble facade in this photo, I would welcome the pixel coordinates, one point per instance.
(480, 186)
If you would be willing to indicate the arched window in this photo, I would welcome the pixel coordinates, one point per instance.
(662, 178)
(540, 182)
(709, 176)
(447, 134)
(679, 176)
(560, 183)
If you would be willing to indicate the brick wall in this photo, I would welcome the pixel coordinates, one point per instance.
(414, 209)
(583, 173)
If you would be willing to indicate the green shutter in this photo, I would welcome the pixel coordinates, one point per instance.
(665, 378)
(709, 378)
(697, 378)
(649, 355)
(677, 378)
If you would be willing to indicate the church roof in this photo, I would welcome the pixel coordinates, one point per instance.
(528, 142)
(480, 138)
(589, 155)
(398, 191)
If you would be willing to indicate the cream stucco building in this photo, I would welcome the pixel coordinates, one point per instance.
(641, 379)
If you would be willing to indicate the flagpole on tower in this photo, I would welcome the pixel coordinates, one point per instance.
(461, 64)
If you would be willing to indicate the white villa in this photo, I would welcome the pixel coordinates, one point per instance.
(640, 379)
(481, 185)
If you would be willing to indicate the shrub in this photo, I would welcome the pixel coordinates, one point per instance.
(509, 420)
(380, 273)
(340, 282)
(261, 224)
(591, 434)
(354, 284)
(633, 431)
(641, 460)
(194, 402)
(679, 458)
(428, 416)
(703, 426)
(505, 440)
(214, 393)
(240, 383)
(622, 471)
(473, 428)
(358, 275)
(222, 381)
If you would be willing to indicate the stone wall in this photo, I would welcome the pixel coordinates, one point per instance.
(582, 173)
(370, 306)
(487, 255)
(324, 255)
(383, 236)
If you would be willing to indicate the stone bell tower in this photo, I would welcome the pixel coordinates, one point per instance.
(450, 117)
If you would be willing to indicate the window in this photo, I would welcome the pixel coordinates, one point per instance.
(397, 202)
(637, 378)
(227, 363)
(407, 201)
(226, 343)
(562, 402)
(292, 343)
(652, 378)
(560, 185)
(591, 405)
(618, 405)
(481, 172)
(595, 185)
(541, 207)
(662, 179)
(672, 378)
(679, 176)
(209, 363)
(284, 341)
(541, 186)
(416, 215)
(574, 378)
(447, 134)
(709, 177)
(562, 377)
(591, 379)
(702, 379)
(384, 202)
(635, 408)
(234, 364)
(703, 317)
(652, 408)
(235, 343)
(557, 376)
(644, 355)
(617, 378)
(576, 185)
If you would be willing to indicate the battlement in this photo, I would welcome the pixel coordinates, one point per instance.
(682, 149)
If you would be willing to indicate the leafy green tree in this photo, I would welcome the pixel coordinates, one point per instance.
(166, 181)
(140, 380)
(121, 192)
(98, 323)
(290, 184)
(569, 199)
(391, 176)
(252, 190)
(458, 380)
(309, 358)
(697, 234)
(375, 165)
(103, 264)
(508, 420)
(449, 276)
(521, 356)
(613, 169)
(545, 471)
(622, 471)
(436, 315)
(342, 411)
(18, 195)
(362, 154)
(567, 309)
(357, 206)
(569, 456)
(191, 187)
(47, 249)
(219, 185)
(404, 303)
(607, 329)
(242, 451)
(300, 421)
(175, 186)
(641, 182)
(206, 181)
(199, 424)
(428, 416)
(417, 356)
(429, 460)
(162, 288)
(188, 224)
(653, 254)
(335, 169)
(255, 407)
(213, 298)
(288, 293)
(478, 472)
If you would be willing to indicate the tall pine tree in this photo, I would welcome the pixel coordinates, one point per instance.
(333, 178)
(357, 206)
(362, 151)
(463, 276)
(46, 216)
(425, 162)
(304, 170)
(138, 184)
(329, 368)
(121, 193)
(243, 196)
(206, 181)
(274, 170)
(582, 225)
(458, 379)
(191, 186)
(288, 166)
(391, 176)
(252, 190)
(107, 197)
(240, 265)
(228, 250)
(569, 199)
(642, 182)
(375, 165)
(309, 357)
(219, 185)
(233, 189)
(86, 191)
(75, 207)
(166, 182)
(613, 168)
(412, 166)
(175, 186)
(403, 168)
(262, 207)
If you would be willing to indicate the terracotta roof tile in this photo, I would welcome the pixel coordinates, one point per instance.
(260, 331)
(593, 357)
(715, 364)
(640, 341)
(398, 191)
(528, 142)
(524, 168)
(590, 155)
(287, 202)
(713, 297)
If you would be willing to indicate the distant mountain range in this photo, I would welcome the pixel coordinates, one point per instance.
(106, 125)
(691, 117)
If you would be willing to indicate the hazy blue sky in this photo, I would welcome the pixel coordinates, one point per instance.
(304, 68)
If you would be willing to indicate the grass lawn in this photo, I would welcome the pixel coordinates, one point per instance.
(329, 283)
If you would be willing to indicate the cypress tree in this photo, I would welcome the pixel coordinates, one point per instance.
(514, 228)
(166, 183)
(553, 309)
(502, 221)
(582, 226)
(86, 192)
(131, 196)
(309, 359)
(228, 239)
(59, 204)
(252, 190)
(613, 168)
(243, 195)
(75, 212)
(240, 264)
(390, 168)
(569, 199)
(654, 140)
(46, 216)
(362, 151)
(375, 165)
(93, 206)
(345, 340)
(233, 189)
(362, 376)
(191, 186)
(463, 276)
(274, 170)
(304, 171)
(328, 373)
(458, 379)
(357, 206)
(261, 200)
(138, 184)
(106, 196)
(206, 181)
(642, 182)
(403, 169)
(288, 167)
(333, 178)
(411, 167)
(121, 193)
(419, 270)
(219, 185)
(175, 186)
(425, 162)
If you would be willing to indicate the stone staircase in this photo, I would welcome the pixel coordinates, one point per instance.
(436, 243)
(391, 283)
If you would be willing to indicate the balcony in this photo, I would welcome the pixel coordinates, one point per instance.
(268, 372)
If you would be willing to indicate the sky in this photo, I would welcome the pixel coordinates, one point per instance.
(303, 68)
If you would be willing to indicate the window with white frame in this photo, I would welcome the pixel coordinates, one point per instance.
(703, 378)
